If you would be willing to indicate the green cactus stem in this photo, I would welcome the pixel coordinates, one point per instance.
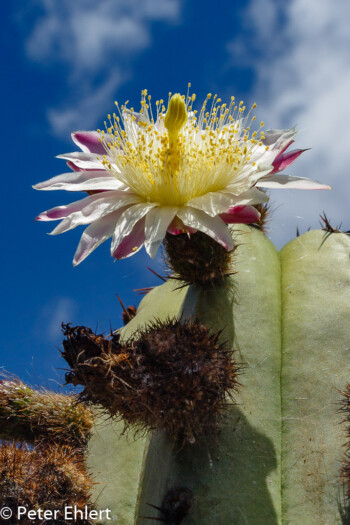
(222, 487)
(316, 365)
(278, 457)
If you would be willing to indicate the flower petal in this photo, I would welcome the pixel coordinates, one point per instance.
(212, 226)
(241, 215)
(127, 221)
(76, 177)
(249, 197)
(285, 159)
(273, 136)
(157, 222)
(61, 212)
(74, 167)
(95, 234)
(99, 206)
(177, 227)
(133, 242)
(289, 182)
(83, 160)
(213, 203)
(89, 142)
(81, 181)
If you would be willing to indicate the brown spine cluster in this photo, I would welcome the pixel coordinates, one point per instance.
(31, 415)
(265, 212)
(46, 478)
(197, 258)
(172, 376)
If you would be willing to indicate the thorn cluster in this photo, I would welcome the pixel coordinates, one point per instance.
(176, 506)
(327, 226)
(173, 376)
(196, 258)
(49, 478)
(128, 314)
(265, 216)
(33, 415)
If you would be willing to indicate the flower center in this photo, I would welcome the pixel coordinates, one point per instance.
(179, 154)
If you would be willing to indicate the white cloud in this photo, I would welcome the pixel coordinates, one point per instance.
(303, 78)
(94, 41)
(87, 108)
(85, 33)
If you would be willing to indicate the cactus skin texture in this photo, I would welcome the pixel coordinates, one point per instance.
(316, 365)
(278, 457)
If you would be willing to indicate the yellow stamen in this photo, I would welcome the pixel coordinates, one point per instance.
(186, 153)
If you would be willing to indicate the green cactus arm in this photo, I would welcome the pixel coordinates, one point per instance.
(316, 362)
(115, 462)
(237, 480)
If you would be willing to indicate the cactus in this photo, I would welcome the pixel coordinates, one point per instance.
(278, 456)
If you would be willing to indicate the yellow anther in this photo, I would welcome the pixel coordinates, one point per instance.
(176, 116)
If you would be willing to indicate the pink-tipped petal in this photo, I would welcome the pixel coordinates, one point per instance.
(132, 243)
(126, 222)
(177, 227)
(61, 212)
(285, 159)
(73, 166)
(241, 215)
(286, 147)
(89, 141)
(98, 206)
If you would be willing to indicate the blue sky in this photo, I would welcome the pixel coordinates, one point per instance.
(63, 65)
